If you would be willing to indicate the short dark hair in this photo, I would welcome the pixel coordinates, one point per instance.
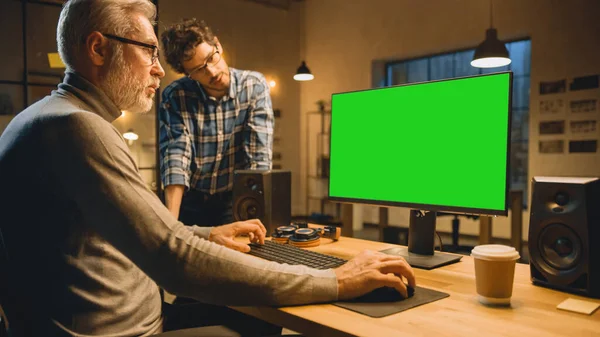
(179, 41)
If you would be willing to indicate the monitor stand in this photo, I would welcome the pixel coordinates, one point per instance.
(421, 236)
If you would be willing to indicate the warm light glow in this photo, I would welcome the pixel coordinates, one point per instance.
(122, 113)
(490, 62)
(272, 84)
(55, 61)
(130, 135)
(303, 77)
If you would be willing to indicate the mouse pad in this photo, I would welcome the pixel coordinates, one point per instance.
(381, 309)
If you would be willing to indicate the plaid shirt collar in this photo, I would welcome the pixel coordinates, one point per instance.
(232, 87)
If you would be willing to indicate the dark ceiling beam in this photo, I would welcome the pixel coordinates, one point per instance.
(56, 3)
(279, 4)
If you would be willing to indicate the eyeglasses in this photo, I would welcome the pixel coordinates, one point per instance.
(212, 60)
(152, 47)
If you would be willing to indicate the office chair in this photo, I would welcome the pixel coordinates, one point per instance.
(216, 330)
(4, 297)
(3, 323)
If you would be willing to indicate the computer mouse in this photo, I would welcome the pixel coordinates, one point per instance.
(385, 294)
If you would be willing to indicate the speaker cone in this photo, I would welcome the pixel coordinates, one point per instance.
(247, 208)
(560, 247)
(561, 198)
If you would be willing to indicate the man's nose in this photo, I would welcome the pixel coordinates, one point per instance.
(211, 71)
(157, 70)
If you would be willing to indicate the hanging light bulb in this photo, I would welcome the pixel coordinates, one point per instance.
(130, 136)
(303, 73)
(491, 53)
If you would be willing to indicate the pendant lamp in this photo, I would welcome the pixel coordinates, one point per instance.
(492, 52)
(303, 73)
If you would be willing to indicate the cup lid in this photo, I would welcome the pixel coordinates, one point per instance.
(495, 253)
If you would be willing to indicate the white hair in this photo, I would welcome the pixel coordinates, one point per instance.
(79, 18)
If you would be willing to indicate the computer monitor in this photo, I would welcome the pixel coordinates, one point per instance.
(432, 146)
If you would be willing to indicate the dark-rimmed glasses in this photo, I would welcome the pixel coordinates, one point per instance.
(137, 43)
(211, 60)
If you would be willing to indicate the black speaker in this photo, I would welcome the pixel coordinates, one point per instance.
(264, 195)
(564, 234)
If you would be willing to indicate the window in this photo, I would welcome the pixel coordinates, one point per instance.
(25, 73)
(458, 64)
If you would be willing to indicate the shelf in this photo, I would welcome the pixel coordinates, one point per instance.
(316, 181)
(314, 197)
(317, 219)
(326, 199)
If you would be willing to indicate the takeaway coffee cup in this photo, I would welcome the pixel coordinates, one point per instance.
(494, 273)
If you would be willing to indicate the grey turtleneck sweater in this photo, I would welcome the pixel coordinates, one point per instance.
(87, 242)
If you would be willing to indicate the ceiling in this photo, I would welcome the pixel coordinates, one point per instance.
(52, 2)
(281, 4)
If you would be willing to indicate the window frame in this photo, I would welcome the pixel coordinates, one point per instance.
(523, 109)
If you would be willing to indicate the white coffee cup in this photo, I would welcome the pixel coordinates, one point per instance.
(494, 273)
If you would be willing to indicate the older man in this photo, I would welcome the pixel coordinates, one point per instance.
(85, 242)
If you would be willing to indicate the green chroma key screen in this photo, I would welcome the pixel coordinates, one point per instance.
(436, 146)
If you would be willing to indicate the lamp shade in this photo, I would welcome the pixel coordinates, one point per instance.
(303, 73)
(491, 53)
(130, 135)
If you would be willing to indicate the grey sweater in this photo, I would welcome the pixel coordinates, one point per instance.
(87, 242)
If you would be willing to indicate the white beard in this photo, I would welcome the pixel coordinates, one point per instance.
(125, 89)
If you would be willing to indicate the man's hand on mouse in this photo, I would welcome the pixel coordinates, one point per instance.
(371, 270)
(225, 235)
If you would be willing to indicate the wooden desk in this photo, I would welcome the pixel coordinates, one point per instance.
(533, 311)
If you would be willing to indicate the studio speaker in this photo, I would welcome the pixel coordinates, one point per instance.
(564, 234)
(264, 195)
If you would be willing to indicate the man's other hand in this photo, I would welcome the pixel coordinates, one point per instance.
(225, 235)
(371, 270)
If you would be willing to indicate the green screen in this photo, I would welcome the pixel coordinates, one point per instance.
(434, 146)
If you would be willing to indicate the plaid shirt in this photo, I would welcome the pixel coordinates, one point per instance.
(202, 140)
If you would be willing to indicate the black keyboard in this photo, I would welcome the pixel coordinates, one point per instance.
(285, 253)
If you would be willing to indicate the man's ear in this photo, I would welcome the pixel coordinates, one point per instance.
(96, 47)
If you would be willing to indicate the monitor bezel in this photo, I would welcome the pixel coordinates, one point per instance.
(432, 207)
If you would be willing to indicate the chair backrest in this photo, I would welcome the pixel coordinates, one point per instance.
(3, 280)
(3, 323)
(10, 307)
